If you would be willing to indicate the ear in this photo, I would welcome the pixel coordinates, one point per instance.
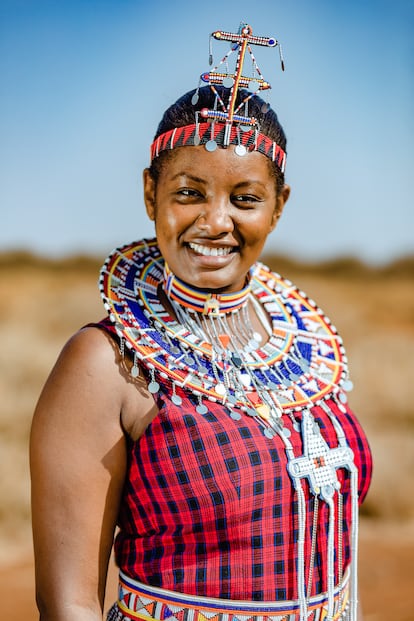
(281, 201)
(149, 193)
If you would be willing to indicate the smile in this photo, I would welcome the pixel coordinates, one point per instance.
(207, 251)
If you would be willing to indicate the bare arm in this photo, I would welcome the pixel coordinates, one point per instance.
(78, 468)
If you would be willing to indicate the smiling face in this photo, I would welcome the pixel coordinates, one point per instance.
(213, 212)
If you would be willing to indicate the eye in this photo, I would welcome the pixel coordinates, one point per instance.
(188, 194)
(246, 200)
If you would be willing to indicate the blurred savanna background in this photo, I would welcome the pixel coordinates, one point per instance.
(83, 85)
(45, 301)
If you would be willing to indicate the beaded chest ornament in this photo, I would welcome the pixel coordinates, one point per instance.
(227, 124)
(209, 349)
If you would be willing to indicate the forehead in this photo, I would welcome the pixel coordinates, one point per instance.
(216, 164)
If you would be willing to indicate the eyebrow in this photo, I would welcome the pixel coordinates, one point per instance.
(250, 182)
(188, 176)
(201, 180)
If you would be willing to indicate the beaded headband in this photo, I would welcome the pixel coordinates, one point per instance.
(227, 124)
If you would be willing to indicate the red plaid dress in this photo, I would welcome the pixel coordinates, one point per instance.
(209, 509)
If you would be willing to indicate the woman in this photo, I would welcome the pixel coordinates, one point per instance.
(207, 416)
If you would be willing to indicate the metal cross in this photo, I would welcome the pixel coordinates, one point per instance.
(319, 463)
(242, 41)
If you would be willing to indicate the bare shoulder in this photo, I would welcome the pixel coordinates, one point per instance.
(91, 382)
(92, 348)
(88, 362)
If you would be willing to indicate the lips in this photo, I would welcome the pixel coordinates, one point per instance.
(209, 251)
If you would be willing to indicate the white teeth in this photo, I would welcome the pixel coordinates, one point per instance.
(210, 252)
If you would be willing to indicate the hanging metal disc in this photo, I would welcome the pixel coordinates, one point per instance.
(254, 86)
(201, 408)
(211, 145)
(228, 82)
(176, 399)
(153, 387)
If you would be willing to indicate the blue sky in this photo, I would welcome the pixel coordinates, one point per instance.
(84, 84)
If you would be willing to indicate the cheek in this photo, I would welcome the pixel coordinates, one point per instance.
(257, 227)
(165, 221)
(171, 222)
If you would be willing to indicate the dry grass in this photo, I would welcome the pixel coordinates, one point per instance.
(44, 302)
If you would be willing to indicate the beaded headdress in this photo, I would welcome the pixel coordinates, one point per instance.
(228, 122)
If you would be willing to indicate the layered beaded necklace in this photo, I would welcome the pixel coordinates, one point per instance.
(221, 358)
(204, 344)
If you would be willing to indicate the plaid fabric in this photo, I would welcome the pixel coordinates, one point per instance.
(209, 509)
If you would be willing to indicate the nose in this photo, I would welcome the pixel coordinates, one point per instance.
(215, 217)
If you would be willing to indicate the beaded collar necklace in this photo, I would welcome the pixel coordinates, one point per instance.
(302, 363)
(200, 301)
